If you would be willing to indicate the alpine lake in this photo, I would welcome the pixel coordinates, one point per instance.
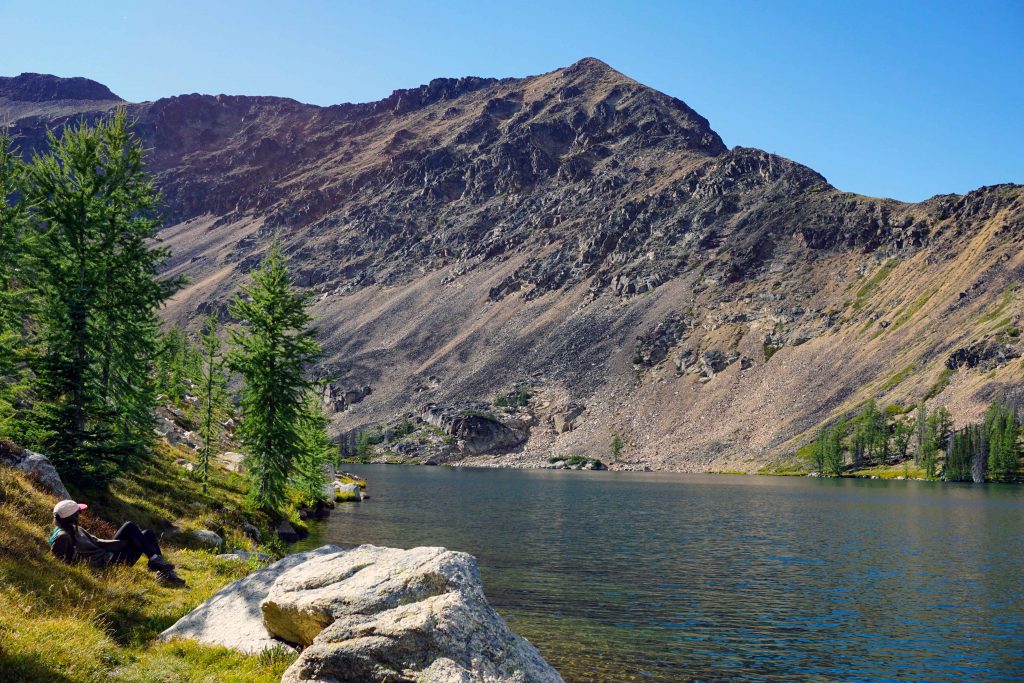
(663, 577)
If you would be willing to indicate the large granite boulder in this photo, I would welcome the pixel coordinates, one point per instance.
(232, 617)
(382, 614)
(370, 614)
(36, 465)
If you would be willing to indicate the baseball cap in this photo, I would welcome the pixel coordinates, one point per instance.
(66, 508)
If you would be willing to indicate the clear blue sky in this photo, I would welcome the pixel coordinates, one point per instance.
(897, 99)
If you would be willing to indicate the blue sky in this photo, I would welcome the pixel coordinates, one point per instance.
(896, 99)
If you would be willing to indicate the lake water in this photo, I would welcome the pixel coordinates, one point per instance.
(667, 577)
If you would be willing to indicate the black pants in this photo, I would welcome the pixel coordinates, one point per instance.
(133, 544)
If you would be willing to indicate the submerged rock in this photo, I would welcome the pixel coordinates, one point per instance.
(287, 533)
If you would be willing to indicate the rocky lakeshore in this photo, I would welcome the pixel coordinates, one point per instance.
(370, 614)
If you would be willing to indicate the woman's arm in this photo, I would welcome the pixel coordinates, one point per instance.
(108, 544)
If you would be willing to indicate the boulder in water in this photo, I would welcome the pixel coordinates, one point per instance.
(386, 614)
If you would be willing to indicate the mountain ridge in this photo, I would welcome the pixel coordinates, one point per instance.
(594, 239)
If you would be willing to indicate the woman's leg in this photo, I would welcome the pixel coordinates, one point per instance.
(137, 543)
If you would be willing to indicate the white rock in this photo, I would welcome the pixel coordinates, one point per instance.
(39, 467)
(232, 617)
(374, 613)
(233, 461)
(208, 537)
(347, 491)
(244, 556)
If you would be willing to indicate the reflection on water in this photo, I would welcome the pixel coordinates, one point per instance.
(665, 577)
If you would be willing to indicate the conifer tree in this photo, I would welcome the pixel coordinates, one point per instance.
(870, 437)
(1002, 427)
(902, 431)
(834, 459)
(15, 301)
(826, 456)
(920, 431)
(316, 451)
(95, 213)
(959, 455)
(938, 430)
(272, 348)
(214, 395)
(178, 365)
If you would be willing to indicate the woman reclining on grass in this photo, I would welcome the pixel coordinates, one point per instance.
(71, 543)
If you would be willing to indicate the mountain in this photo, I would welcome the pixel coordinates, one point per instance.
(588, 237)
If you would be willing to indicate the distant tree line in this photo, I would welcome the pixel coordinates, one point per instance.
(989, 451)
(83, 358)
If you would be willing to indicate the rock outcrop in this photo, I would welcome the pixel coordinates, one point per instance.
(370, 614)
(475, 431)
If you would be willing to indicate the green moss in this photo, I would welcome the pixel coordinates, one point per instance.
(575, 460)
(769, 351)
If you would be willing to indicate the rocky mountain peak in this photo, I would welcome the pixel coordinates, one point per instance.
(591, 65)
(32, 87)
(584, 235)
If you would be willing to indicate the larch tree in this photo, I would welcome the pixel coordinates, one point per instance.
(15, 296)
(95, 212)
(317, 451)
(273, 346)
(213, 385)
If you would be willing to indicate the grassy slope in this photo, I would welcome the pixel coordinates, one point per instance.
(62, 623)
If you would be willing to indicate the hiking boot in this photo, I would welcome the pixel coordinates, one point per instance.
(158, 563)
(169, 577)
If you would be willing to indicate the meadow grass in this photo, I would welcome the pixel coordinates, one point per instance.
(75, 624)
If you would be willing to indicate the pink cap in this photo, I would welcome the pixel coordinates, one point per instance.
(66, 508)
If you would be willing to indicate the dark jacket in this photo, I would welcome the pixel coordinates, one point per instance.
(85, 547)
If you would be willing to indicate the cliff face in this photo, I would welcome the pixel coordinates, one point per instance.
(595, 240)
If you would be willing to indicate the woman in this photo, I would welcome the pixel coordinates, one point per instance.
(71, 543)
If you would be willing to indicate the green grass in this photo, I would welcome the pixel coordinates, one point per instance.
(517, 399)
(898, 377)
(912, 309)
(786, 469)
(945, 377)
(873, 282)
(1004, 301)
(907, 470)
(75, 624)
